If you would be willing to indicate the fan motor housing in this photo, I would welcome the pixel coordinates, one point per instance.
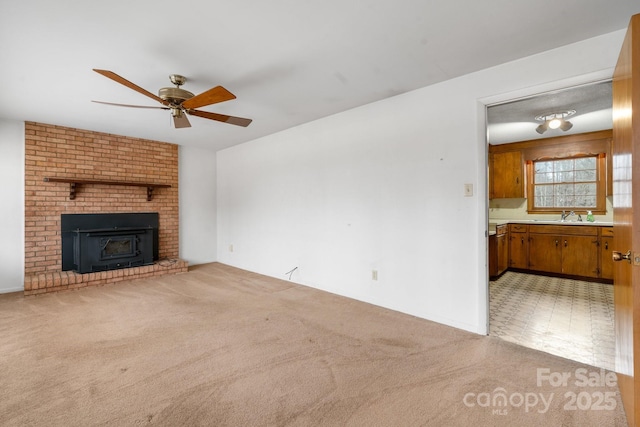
(174, 95)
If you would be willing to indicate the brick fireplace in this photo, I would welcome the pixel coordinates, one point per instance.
(96, 166)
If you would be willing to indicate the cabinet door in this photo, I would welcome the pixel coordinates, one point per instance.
(506, 175)
(606, 262)
(580, 255)
(545, 253)
(493, 256)
(503, 252)
(518, 245)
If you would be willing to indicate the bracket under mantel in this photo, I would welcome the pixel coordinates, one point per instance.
(73, 184)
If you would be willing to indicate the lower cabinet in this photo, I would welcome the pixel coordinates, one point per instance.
(606, 260)
(518, 246)
(493, 256)
(580, 255)
(571, 250)
(575, 250)
(498, 251)
(502, 238)
(545, 252)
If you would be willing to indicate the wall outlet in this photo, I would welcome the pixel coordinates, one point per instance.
(468, 190)
(374, 274)
(230, 248)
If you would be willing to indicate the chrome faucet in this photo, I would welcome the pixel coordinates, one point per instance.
(563, 216)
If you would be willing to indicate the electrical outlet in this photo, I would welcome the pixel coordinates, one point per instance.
(230, 248)
(468, 190)
(374, 274)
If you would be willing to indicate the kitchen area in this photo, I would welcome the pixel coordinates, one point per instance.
(550, 206)
(551, 233)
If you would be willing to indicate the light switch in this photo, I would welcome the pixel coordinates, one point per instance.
(468, 190)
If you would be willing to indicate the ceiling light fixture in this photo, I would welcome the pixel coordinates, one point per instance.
(555, 120)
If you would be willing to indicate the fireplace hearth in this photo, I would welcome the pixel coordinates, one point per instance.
(100, 242)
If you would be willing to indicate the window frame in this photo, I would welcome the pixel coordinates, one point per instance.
(601, 183)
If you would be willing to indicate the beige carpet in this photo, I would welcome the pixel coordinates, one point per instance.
(220, 346)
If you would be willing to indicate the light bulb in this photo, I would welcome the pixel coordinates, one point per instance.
(555, 123)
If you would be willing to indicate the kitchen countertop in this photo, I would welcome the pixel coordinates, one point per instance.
(558, 222)
(494, 222)
(549, 221)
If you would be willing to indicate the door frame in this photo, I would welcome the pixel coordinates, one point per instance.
(483, 104)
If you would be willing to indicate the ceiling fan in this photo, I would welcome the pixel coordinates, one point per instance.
(181, 102)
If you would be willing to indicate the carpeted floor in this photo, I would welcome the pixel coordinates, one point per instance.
(220, 346)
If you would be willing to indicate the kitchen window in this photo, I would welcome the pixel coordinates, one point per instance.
(571, 184)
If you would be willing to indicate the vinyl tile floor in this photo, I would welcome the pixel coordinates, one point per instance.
(568, 318)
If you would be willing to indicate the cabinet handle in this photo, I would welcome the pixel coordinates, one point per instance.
(517, 180)
(565, 243)
(557, 243)
(606, 245)
(522, 241)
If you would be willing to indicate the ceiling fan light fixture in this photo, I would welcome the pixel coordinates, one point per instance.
(181, 102)
(174, 95)
(177, 79)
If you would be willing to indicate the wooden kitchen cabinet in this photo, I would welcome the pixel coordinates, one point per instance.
(518, 246)
(580, 256)
(606, 262)
(545, 252)
(570, 250)
(498, 251)
(506, 175)
(493, 256)
(502, 237)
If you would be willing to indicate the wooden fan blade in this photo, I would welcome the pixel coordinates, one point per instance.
(131, 106)
(212, 96)
(239, 121)
(113, 76)
(181, 121)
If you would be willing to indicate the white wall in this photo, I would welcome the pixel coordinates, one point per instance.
(12, 206)
(381, 187)
(197, 196)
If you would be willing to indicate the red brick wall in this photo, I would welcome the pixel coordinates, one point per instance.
(61, 152)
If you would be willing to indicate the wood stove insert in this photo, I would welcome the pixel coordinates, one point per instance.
(99, 242)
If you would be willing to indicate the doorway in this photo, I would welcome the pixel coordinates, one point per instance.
(561, 315)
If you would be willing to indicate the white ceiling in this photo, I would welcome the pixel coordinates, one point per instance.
(288, 62)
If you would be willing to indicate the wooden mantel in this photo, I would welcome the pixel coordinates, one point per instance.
(74, 182)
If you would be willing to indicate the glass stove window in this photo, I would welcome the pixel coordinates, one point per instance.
(118, 247)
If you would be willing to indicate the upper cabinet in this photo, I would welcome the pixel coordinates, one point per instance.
(506, 175)
(511, 165)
